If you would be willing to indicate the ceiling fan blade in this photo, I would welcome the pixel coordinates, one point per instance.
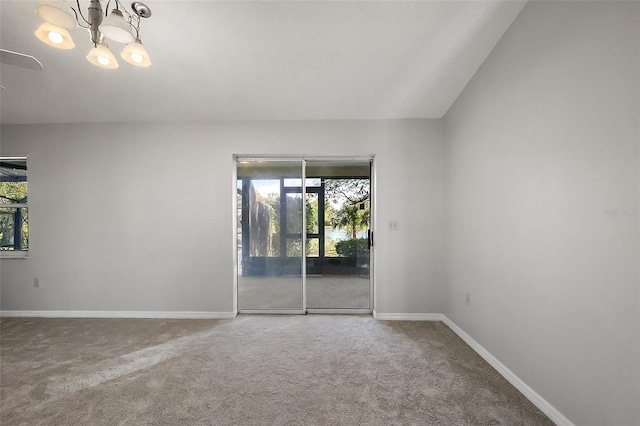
(20, 60)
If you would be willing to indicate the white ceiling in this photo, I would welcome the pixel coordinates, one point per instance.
(260, 60)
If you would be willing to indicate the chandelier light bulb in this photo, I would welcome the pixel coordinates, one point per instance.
(55, 37)
(136, 57)
(103, 60)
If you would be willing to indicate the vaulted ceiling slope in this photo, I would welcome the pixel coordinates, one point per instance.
(260, 60)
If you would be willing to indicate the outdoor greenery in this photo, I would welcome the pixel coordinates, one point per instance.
(353, 218)
(294, 247)
(346, 207)
(350, 207)
(12, 193)
(358, 247)
(346, 191)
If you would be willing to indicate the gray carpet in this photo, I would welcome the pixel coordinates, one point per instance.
(253, 370)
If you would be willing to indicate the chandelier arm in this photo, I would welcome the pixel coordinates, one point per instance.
(135, 24)
(123, 9)
(80, 24)
(77, 18)
(106, 9)
(80, 11)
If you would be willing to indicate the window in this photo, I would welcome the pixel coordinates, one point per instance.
(14, 214)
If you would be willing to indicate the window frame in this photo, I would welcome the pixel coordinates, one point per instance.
(16, 254)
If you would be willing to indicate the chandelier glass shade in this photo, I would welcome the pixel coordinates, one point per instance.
(102, 57)
(114, 27)
(56, 16)
(119, 26)
(55, 36)
(135, 54)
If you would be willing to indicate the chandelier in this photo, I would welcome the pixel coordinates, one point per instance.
(119, 26)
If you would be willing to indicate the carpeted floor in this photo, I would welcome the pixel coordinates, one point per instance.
(253, 370)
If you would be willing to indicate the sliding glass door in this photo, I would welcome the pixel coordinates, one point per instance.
(338, 273)
(270, 221)
(310, 216)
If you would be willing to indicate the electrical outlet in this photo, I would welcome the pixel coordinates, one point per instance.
(36, 282)
(468, 298)
(393, 225)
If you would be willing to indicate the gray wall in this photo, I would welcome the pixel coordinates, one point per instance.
(138, 217)
(539, 145)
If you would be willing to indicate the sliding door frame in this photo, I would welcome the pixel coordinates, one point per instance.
(237, 158)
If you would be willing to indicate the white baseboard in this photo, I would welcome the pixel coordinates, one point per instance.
(120, 314)
(556, 416)
(407, 317)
